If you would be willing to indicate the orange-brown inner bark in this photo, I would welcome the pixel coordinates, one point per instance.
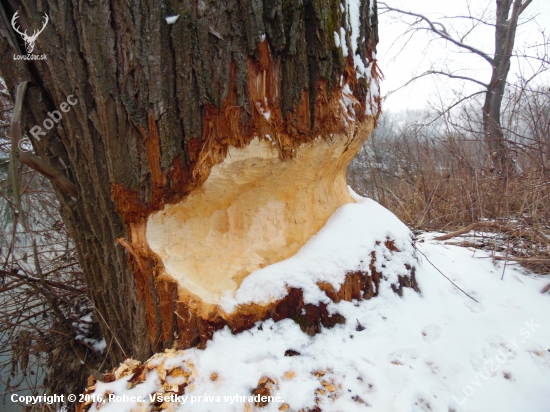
(253, 210)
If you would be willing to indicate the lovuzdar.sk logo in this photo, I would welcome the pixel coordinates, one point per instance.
(29, 40)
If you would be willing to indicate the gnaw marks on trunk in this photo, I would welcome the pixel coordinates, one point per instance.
(169, 116)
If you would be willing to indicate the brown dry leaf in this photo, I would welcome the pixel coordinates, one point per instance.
(247, 408)
(289, 375)
(262, 381)
(320, 373)
(262, 391)
(357, 398)
(284, 407)
(214, 377)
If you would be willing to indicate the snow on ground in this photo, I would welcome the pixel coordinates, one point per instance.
(434, 351)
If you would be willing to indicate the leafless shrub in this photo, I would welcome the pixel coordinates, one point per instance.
(48, 339)
(437, 175)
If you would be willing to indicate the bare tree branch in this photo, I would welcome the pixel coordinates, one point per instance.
(454, 76)
(524, 6)
(441, 33)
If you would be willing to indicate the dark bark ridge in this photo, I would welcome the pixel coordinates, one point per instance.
(158, 105)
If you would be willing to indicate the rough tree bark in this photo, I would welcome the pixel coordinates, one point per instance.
(259, 95)
(507, 15)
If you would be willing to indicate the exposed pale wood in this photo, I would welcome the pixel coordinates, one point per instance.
(159, 106)
(253, 210)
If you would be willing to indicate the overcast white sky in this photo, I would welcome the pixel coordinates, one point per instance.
(400, 63)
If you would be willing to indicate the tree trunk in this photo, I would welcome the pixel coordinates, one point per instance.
(200, 150)
(505, 33)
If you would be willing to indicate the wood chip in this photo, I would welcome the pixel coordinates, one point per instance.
(176, 372)
(284, 407)
(289, 375)
(160, 366)
(214, 377)
(137, 377)
(329, 386)
(91, 380)
(162, 374)
(121, 369)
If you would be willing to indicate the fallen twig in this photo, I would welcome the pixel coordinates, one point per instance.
(520, 259)
(473, 226)
(458, 287)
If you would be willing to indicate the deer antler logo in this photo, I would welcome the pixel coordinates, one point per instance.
(29, 40)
